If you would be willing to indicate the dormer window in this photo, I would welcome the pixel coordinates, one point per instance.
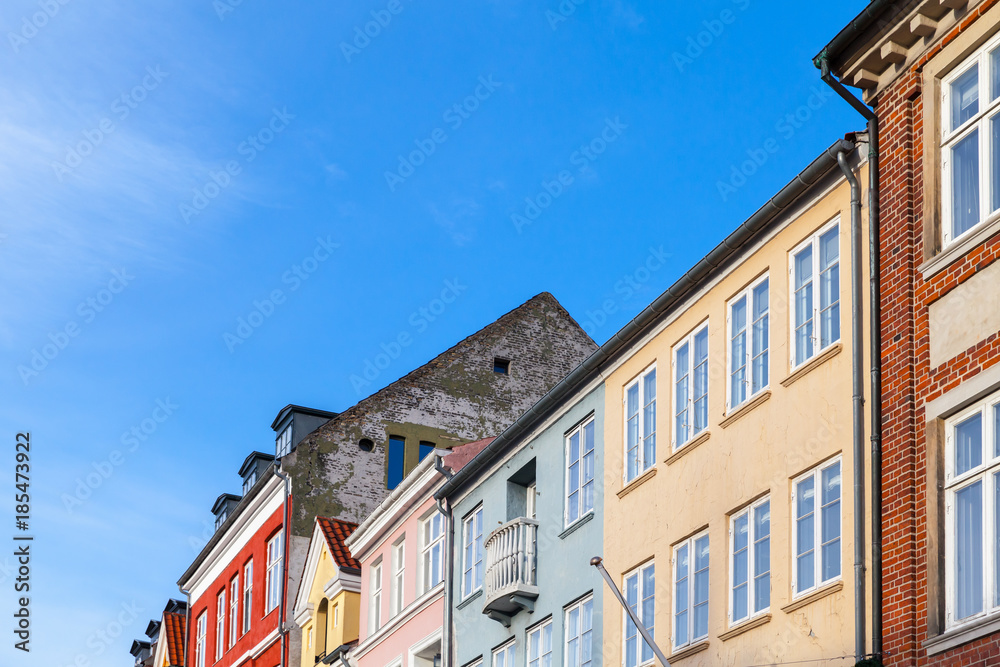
(283, 445)
(220, 519)
(249, 481)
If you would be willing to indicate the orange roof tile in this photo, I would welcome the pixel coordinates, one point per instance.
(173, 630)
(336, 531)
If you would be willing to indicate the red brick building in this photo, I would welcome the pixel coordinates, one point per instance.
(930, 69)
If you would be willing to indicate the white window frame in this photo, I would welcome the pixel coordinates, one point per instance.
(509, 652)
(949, 138)
(748, 332)
(202, 634)
(582, 482)
(249, 482)
(752, 539)
(689, 544)
(471, 568)
(397, 593)
(641, 595)
(247, 595)
(220, 625)
(234, 609)
(537, 633)
(283, 443)
(817, 475)
(428, 543)
(272, 586)
(985, 474)
(579, 633)
(640, 381)
(689, 428)
(813, 242)
(375, 597)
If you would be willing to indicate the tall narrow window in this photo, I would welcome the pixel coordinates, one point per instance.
(234, 610)
(396, 461)
(375, 598)
(504, 656)
(398, 564)
(972, 512)
(815, 272)
(691, 386)
(750, 548)
(816, 501)
(247, 594)
(431, 551)
(580, 471)
(283, 444)
(275, 552)
(199, 647)
(691, 590)
(748, 343)
(640, 424)
(540, 645)
(578, 633)
(639, 591)
(220, 625)
(472, 553)
(425, 449)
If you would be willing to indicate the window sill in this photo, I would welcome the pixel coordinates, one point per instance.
(638, 481)
(745, 626)
(587, 518)
(688, 446)
(689, 650)
(467, 601)
(963, 634)
(818, 360)
(828, 589)
(745, 408)
(956, 251)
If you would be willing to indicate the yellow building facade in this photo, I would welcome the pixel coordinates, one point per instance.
(328, 601)
(728, 452)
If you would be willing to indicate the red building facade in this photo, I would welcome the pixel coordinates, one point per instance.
(931, 71)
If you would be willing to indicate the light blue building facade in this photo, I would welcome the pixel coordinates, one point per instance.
(527, 519)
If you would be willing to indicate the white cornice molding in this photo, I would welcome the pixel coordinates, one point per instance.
(400, 619)
(342, 582)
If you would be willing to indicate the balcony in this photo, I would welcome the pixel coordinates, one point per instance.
(510, 579)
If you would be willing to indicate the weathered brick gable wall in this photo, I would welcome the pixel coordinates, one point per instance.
(909, 381)
(454, 399)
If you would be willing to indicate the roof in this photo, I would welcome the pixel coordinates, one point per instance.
(291, 407)
(250, 460)
(459, 456)
(172, 632)
(336, 531)
(222, 500)
(858, 25)
(674, 298)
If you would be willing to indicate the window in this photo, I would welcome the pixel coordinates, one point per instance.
(748, 343)
(580, 471)
(640, 586)
(336, 615)
(425, 449)
(972, 511)
(247, 594)
(691, 386)
(199, 647)
(540, 645)
(504, 656)
(397, 457)
(250, 480)
(501, 366)
(818, 258)
(234, 610)
(970, 142)
(432, 544)
(310, 645)
(472, 552)
(398, 564)
(220, 625)
(817, 527)
(274, 574)
(220, 519)
(579, 629)
(691, 590)
(750, 567)
(375, 582)
(531, 501)
(283, 444)
(640, 424)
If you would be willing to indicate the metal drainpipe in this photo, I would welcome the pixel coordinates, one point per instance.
(875, 264)
(284, 559)
(858, 399)
(187, 624)
(445, 508)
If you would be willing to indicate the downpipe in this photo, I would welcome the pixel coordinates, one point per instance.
(449, 565)
(282, 631)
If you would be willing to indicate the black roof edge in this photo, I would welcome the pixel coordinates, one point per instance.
(291, 407)
(223, 498)
(248, 461)
(333, 655)
(851, 31)
(138, 645)
(745, 233)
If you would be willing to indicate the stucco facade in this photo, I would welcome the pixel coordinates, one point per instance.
(674, 513)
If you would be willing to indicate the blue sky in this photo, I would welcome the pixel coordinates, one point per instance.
(166, 167)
